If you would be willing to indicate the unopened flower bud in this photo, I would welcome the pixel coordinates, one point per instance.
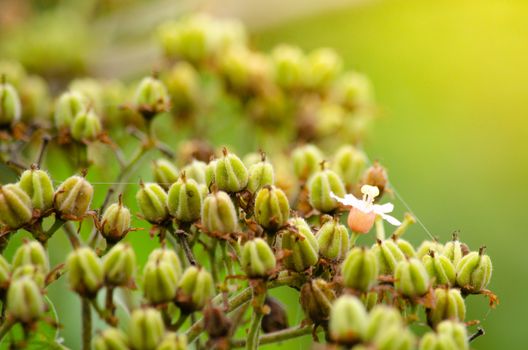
(196, 171)
(183, 85)
(429, 246)
(474, 271)
(230, 173)
(173, 341)
(320, 186)
(161, 275)
(151, 98)
(440, 269)
(406, 247)
(381, 318)
(165, 173)
(257, 259)
(115, 222)
(272, 208)
(411, 278)
(456, 331)
(261, 174)
(167, 255)
(317, 297)
(146, 329)
(219, 213)
(333, 240)
(349, 163)
(360, 269)
(395, 338)
(73, 198)
(5, 272)
(370, 299)
(194, 289)
(185, 200)
(10, 106)
(152, 201)
(388, 255)
(39, 187)
(85, 272)
(353, 90)
(110, 339)
(67, 107)
(306, 161)
(25, 302)
(323, 67)
(377, 176)
(31, 253)
(86, 126)
(210, 172)
(119, 265)
(348, 321)
(277, 318)
(15, 206)
(303, 246)
(455, 250)
(448, 305)
(289, 66)
(36, 273)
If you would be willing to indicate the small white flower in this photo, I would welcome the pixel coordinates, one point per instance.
(366, 204)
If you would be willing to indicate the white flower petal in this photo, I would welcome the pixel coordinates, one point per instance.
(383, 208)
(391, 220)
(348, 200)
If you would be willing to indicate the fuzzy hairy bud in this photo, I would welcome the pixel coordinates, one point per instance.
(448, 305)
(219, 214)
(68, 105)
(353, 90)
(110, 339)
(272, 208)
(152, 201)
(349, 163)
(406, 247)
(73, 198)
(306, 161)
(360, 269)
(381, 318)
(119, 265)
(35, 272)
(15, 206)
(86, 126)
(10, 106)
(348, 321)
(25, 302)
(450, 335)
(5, 273)
(173, 341)
(289, 66)
(165, 172)
(377, 176)
(411, 278)
(183, 85)
(261, 174)
(333, 240)
(115, 222)
(230, 173)
(145, 329)
(257, 259)
(320, 185)
(440, 269)
(455, 250)
(429, 246)
(31, 253)
(85, 272)
(161, 275)
(39, 187)
(388, 255)
(185, 200)
(324, 65)
(151, 98)
(196, 171)
(194, 289)
(316, 299)
(474, 271)
(302, 243)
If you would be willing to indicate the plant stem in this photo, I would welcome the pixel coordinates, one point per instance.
(86, 323)
(72, 235)
(181, 320)
(380, 229)
(5, 328)
(258, 301)
(278, 336)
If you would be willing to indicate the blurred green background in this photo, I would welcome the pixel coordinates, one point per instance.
(451, 80)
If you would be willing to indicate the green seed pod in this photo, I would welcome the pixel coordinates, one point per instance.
(320, 185)
(10, 106)
(349, 163)
(395, 338)
(152, 201)
(370, 299)
(456, 331)
(474, 271)
(210, 173)
(388, 255)
(261, 174)
(165, 173)
(440, 269)
(411, 278)
(289, 66)
(196, 171)
(257, 259)
(24, 301)
(302, 244)
(115, 222)
(272, 208)
(31, 253)
(119, 265)
(183, 85)
(348, 321)
(449, 305)
(15, 206)
(39, 187)
(146, 329)
(360, 269)
(160, 282)
(381, 318)
(73, 198)
(86, 126)
(353, 90)
(67, 107)
(376, 176)
(168, 255)
(151, 98)
(428, 246)
(324, 65)
(230, 173)
(36, 273)
(173, 341)
(185, 200)
(317, 297)
(219, 214)
(306, 161)
(5, 273)
(194, 289)
(406, 247)
(85, 272)
(110, 339)
(455, 250)
(333, 240)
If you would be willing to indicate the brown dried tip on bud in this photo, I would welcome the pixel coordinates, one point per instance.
(277, 318)
(216, 323)
(377, 176)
